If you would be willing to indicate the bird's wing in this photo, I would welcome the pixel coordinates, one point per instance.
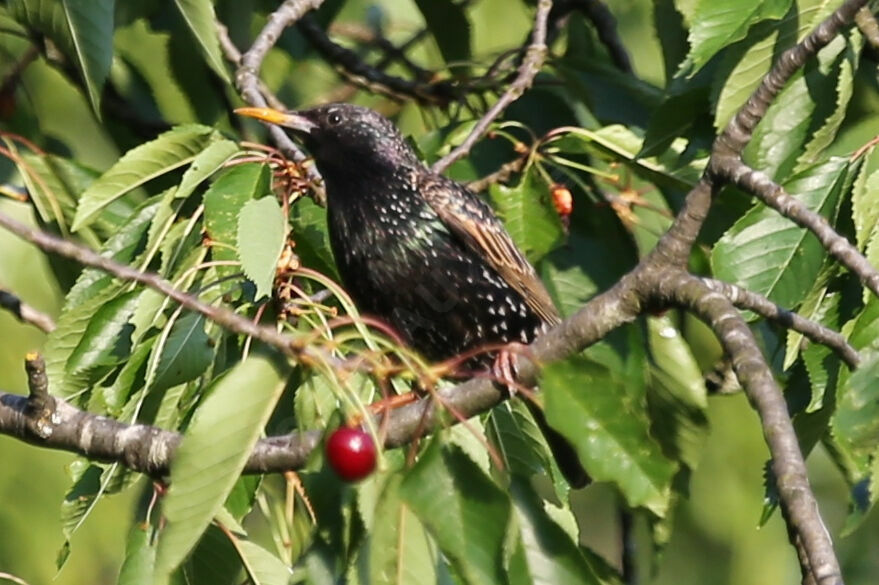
(471, 219)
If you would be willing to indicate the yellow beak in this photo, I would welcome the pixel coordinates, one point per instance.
(290, 120)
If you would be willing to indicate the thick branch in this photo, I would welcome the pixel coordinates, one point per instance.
(755, 376)
(150, 450)
(867, 24)
(740, 128)
(675, 245)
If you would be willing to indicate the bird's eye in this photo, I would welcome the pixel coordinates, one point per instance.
(334, 118)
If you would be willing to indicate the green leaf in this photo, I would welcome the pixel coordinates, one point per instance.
(677, 115)
(518, 439)
(169, 151)
(315, 403)
(821, 362)
(447, 22)
(718, 23)
(809, 308)
(185, 354)
(749, 70)
(51, 195)
(398, 550)
(768, 253)
(804, 105)
(463, 510)
(82, 30)
(856, 421)
(222, 205)
(612, 96)
(528, 215)
(261, 566)
(214, 561)
(261, 231)
(67, 336)
(566, 273)
(832, 116)
(105, 340)
(618, 143)
(586, 405)
(92, 290)
(205, 164)
(865, 209)
(91, 481)
(214, 450)
(140, 557)
(128, 380)
(548, 555)
(308, 226)
(91, 31)
(200, 18)
(677, 396)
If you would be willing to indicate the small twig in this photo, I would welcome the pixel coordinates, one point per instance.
(233, 55)
(392, 53)
(606, 27)
(13, 578)
(26, 313)
(40, 405)
(867, 24)
(220, 315)
(354, 69)
(248, 83)
(400, 51)
(501, 175)
(745, 299)
(531, 64)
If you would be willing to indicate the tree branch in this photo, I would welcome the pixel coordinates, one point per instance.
(531, 64)
(755, 376)
(220, 315)
(150, 450)
(745, 299)
(774, 195)
(354, 69)
(26, 313)
(248, 82)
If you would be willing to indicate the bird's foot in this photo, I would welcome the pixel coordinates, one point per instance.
(505, 369)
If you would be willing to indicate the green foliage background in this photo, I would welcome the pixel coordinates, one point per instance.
(716, 538)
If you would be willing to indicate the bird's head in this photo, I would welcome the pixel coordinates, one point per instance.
(342, 135)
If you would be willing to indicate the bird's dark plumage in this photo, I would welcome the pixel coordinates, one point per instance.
(413, 247)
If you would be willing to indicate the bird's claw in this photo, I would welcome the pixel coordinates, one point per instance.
(505, 368)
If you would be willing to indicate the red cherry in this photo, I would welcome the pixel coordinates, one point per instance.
(562, 199)
(351, 453)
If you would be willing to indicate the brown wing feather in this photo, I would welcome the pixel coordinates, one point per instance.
(470, 218)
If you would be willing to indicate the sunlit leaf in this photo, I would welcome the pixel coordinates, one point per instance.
(464, 511)
(592, 410)
(169, 151)
(261, 231)
(214, 450)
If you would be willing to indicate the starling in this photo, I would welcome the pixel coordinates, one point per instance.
(417, 249)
